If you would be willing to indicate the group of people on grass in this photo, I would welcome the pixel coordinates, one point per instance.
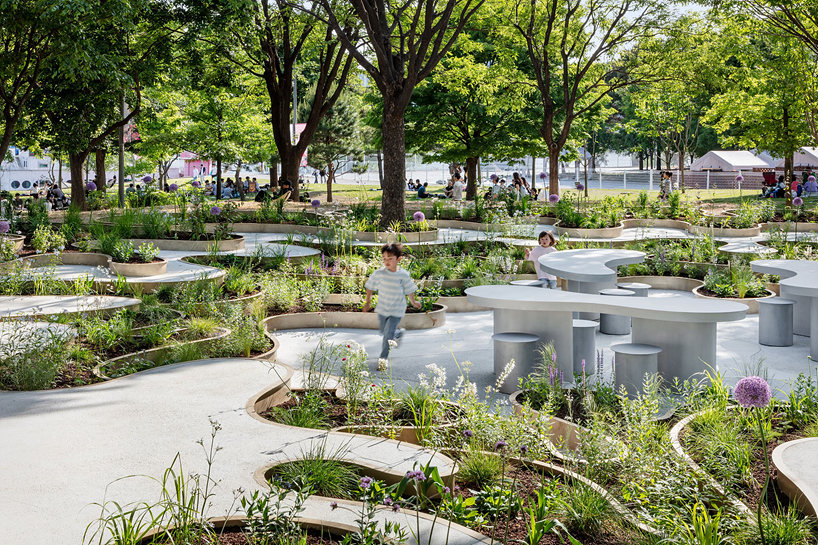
(518, 187)
(806, 186)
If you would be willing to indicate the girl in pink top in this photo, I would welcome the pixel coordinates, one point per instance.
(547, 243)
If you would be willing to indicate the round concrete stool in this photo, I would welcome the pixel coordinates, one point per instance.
(632, 362)
(638, 289)
(775, 321)
(585, 346)
(612, 324)
(520, 347)
(530, 283)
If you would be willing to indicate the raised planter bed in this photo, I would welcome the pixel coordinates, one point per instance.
(547, 220)
(607, 232)
(676, 443)
(177, 245)
(677, 283)
(658, 223)
(154, 354)
(792, 226)
(158, 267)
(18, 240)
(563, 436)
(751, 302)
(363, 236)
(725, 231)
(352, 320)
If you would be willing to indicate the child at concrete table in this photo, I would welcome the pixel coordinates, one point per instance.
(547, 243)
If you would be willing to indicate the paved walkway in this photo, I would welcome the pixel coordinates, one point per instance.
(61, 449)
(49, 305)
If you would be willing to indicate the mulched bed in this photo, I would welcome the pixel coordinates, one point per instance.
(235, 536)
(136, 258)
(707, 292)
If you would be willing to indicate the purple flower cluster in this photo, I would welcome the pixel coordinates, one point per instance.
(365, 482)
(90, 186)
(468, 434)
(493, 177)
(580, 187)
(173, 187)
(196, 184)
(753, 392)
(810, 178)
(543, 175)
(419, 216)
(739, 178)
(500, 445)
(315, 203)
(416, 475)
(797, 201)
(4, 226)
(554, 198)
(215, 211)
(147, 179)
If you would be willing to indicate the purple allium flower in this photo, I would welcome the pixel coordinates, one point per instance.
(753, 392)
(580, 187)
(387, 500)
(4, 226)
(315, 203)
(524, 450)
(554, 198)
(499, 445)
(543, 175)
(468, 434)
(334, 505)
(419, 216)
(215, 211)
(797, 201)
(395, 508)
(147, 179)
(90, 186)
(365, 483)
(493, 177)
(416, 475)
(447, 490)
(739, 178)
(810, 178)
(173, 187)
(196, 184)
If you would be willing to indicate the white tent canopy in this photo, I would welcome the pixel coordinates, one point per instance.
(728, 161)
(804, 158)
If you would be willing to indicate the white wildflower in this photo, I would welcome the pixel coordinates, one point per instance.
(393, 343)
(383, 364)
(451, 332)
(504, 375)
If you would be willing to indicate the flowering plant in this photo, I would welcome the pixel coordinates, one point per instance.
(173, 188)
(553, 198)
(90, 186)
(315, 203)
(4, 227)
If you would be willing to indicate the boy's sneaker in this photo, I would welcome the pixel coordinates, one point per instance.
(399, 334)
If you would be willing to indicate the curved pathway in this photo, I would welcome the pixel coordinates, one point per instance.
(62, 448)
(13, 306)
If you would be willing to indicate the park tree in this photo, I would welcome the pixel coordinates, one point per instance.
(161, 127)
(764, 105)
(337, 136)
(581, 51)
(476, 103)
(403, 43)
(279, 42)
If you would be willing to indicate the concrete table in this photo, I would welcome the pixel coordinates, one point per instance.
(684, 328)
(590, 270)
(799, 282)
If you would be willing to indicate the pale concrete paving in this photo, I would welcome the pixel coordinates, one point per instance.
(61, 449)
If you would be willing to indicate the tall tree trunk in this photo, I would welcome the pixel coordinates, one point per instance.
(471, 173)
(273, 174)
(330, 179)
(289, 171)
(394, 163)
(380, 168)
(99, 169)
(218, 178)
(554, 169)
(76, 162)
(59, 174)
(239, 183)
(641, 161)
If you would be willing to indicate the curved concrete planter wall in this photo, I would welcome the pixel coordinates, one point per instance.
(677, 283)
(352, 320)
(460, 304)
(608, 232)
(88, 259)
(140, 269)
(675, 432)
(793, 483)
(175, 245)
(562, 434)
(725, 231)
(792, 227)
(752, 303)
(365, 236)
(657, 223)
(547, 220)
(155, 354)
(18, 241)
(408, 434)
